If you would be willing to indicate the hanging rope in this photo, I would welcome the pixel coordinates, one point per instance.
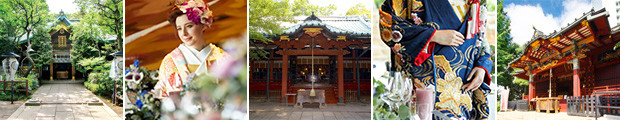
(312, 76)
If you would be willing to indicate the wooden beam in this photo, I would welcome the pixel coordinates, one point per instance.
(309, 52)
(579, 34)
(532, 58)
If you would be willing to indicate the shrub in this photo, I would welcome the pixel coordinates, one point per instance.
(33, 84)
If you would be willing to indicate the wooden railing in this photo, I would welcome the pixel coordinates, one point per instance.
(608, 102)
(582, 105)
(595, 105)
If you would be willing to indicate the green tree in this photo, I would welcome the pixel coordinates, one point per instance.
(265, 19)
(98, 20)
(30, 14)
(508, 51)
(42, 47)
(108, 14)
(84, 47)
(359, 9)
(9, 25)
(304, 8)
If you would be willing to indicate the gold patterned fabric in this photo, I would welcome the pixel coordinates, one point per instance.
(427, 63)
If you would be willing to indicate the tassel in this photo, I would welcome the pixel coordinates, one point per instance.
(312, 93)
(472, 23)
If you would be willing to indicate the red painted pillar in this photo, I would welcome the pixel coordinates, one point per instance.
(531, 88)
(340, 79)
(576, 81)
(284, 77)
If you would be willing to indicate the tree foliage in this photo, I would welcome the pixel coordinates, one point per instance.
(98, 20)
(508, 51)
(9, 24)
(42, 47)
(266, 17)
(304, 8)
(359, 9)
(28, 16)
(108, 14)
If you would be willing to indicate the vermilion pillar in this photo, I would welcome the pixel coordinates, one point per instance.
(576, 82)
(340, 79)
(284, 77)
(531, 88)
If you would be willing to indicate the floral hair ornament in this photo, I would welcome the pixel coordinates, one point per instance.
(197, 12)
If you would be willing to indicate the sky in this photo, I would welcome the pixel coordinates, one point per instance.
(341, 5)
(65, 5)
(546, 15)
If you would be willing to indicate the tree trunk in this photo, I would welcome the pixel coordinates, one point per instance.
(28, 55)
(119, 41)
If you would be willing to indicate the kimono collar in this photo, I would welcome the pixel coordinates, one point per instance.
(194, 56)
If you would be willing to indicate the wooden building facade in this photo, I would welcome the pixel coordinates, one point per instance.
(337, 47)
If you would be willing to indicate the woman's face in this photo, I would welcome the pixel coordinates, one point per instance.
(190, 33)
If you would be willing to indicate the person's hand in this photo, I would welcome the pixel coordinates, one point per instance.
(476, 76)
(448, 37)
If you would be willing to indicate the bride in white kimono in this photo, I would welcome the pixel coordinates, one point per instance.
(194, 55)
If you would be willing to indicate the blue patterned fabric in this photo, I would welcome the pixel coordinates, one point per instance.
(445, 67)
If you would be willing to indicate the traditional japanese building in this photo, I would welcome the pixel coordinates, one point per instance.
(337, 47)
(60, 66)
(577, 60)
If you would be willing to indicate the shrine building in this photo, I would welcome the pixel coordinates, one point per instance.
(334, 48)
(579, 59)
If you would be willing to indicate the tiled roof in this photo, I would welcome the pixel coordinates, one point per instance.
(352, 25)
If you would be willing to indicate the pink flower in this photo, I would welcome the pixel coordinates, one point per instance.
(194, 14)
(197, 12)
(224, 68)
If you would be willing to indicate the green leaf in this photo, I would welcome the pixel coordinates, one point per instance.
(404, 112)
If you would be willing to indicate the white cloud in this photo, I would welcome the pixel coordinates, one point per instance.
(523, 17)
(65, 5)
(574, 9)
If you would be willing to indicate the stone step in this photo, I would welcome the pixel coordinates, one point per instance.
(62, 81)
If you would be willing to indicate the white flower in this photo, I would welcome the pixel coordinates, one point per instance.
(167, 105)
(188, 105)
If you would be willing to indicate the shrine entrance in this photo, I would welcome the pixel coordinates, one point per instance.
(336, 50)
(323, 68)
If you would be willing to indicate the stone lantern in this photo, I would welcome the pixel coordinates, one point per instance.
(117, 65)
(9, 65)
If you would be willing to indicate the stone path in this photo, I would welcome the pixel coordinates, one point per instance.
(277, 111)
(6, 108)
(64, 102)
(531, 115)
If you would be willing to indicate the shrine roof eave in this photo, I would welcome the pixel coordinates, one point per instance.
(591, 15)
(329, 28)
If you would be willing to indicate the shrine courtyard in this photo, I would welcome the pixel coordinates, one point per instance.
(60, 101)
(260, 110)
(533, 115)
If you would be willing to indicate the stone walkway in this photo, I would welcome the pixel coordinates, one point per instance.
(532, 115)
(64, 102)
(277, 111)
(6, 108)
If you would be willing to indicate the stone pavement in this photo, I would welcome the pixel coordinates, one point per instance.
(64, 102)
(277, 111)
(532, 115)
(6, 108)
